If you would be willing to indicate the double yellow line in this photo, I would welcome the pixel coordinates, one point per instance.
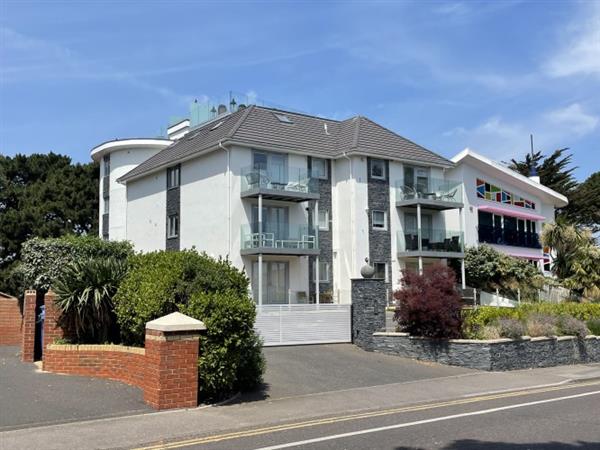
(346, 418)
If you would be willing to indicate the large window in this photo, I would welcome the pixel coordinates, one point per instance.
(173, 226)
(417, 178)
(271, 165)
(173, 177)
(507, 230)
(495, 193)
(323, 219)
(275, 282)
(319, 168)
(378, 169)
(379, 220)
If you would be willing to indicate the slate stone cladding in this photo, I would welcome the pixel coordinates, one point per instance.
(368, 310)
(501, 354)
(106, 197)
(173, 207)
(325, 237)
(105, 226)
(380, 241)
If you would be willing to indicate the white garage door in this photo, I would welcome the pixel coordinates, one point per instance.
(303, 324)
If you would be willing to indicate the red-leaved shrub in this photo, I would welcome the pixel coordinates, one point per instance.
(429, 305)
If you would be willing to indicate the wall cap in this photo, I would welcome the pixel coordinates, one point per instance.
(175, 322)
(390, 333)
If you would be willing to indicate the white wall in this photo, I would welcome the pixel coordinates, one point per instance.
(146, 212)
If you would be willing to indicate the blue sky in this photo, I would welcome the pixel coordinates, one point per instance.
(447, 75)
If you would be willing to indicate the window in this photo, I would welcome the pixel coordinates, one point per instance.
(378, 169)
(283, 118)
(173, 226)
(379, 220)
(106, 161)
(106, 205)
(173, 177)
(380, 271)
(319, 168)
(323, 219)
(323, 272)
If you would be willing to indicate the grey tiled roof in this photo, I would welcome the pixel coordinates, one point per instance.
(258, 126)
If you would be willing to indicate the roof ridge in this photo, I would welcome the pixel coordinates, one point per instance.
(356, 131)
(406, 139)
(239, 122)
(312, 116)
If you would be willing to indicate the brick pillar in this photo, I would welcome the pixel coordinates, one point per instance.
(172, 346)
(28, 328)
(51, 329)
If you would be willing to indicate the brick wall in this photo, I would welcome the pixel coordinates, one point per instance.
(28, 327)
(115, 362)
(10, 321)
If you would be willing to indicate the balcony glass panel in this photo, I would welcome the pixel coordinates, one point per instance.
(279, 235)
(430, 189)
(432, 240)
(495, 235)
(279, 178)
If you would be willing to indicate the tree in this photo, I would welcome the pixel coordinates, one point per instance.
(584, 204)
(577, 258)
(42, 195)
(553, 170)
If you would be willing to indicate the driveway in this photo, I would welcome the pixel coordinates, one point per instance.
(29, 397)
(311, 369)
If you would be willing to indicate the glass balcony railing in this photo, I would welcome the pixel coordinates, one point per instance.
(280, 236)
(501, 236)
(284, 179)
(442, 191)
(432, 240)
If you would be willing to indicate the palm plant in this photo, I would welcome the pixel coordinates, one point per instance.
(85, 293)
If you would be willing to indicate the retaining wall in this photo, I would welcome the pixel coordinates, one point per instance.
(498, 354)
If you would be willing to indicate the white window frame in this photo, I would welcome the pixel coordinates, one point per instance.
(322, 175)
(173, 226)
(173, 177)
(385, 226)
(320, 225)
(324, 271)
(378, 177)
(385, 270)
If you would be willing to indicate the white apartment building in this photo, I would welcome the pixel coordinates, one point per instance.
(301, 202)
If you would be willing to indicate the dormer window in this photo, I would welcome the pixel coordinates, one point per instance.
(283, 118)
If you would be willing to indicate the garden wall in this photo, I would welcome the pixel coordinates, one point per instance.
(10, 320)
(116, 362)
(498, 354)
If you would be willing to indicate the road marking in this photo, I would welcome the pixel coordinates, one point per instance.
(422, 422)
(366, 415)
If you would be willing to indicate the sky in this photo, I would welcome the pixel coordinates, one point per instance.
(447, 75)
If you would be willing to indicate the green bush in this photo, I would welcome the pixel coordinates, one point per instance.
(44, 260)
(230, 354)
(511, 328)
(594, 326)
(158, 283)
(85, 291)
(475, 319)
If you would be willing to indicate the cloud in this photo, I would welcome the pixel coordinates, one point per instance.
(502, 139)
(580, 52)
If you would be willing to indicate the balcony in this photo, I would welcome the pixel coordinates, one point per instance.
(279, 239)
(432, 194)
(435, 243)
(501, 236)
(279, 183)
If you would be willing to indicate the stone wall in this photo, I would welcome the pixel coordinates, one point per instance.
(380, 241)
(498, 354)
(368, 310)
(10, 321)
(173, 207)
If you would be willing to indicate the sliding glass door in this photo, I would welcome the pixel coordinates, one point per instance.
(275, 220)
(417, 178)
(275, 283)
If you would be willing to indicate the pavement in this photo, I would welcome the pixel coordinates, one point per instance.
(29, 397)
(282, 409)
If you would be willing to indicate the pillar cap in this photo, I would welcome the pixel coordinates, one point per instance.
(175, 322)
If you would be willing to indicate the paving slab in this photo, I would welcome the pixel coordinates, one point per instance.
(30, 397)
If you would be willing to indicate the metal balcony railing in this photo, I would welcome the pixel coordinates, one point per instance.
(432, 240)
(279, 236)
(433, 190)
(501, 236)
(284, 179)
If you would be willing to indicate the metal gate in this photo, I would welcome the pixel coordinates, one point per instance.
(303, 324)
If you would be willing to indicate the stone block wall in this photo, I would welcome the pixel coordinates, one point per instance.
(368, 310)
(498, 354)
(10, 321)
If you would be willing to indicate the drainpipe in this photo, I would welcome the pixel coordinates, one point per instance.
(228, 199)
(352, 214)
